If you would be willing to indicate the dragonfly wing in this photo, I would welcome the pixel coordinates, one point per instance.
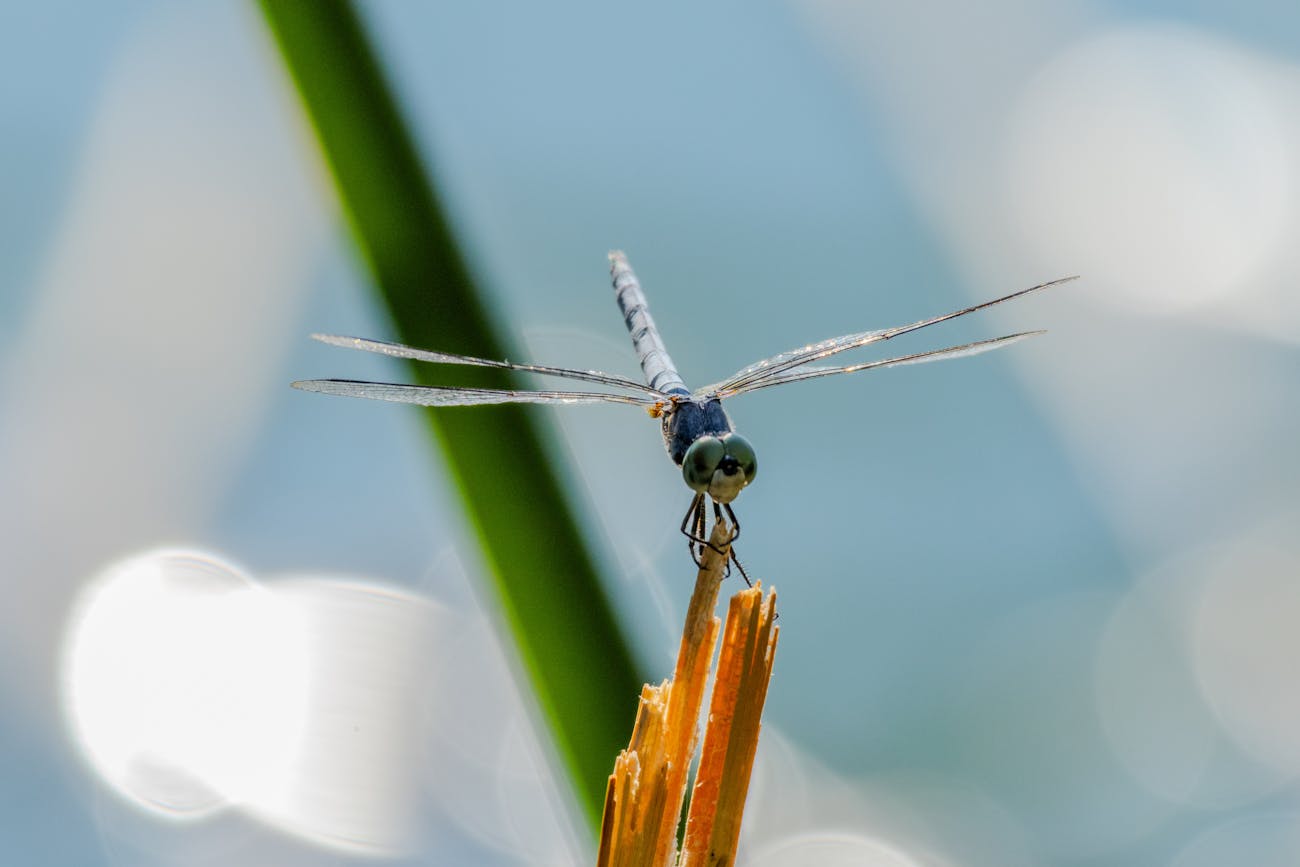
(785, 360)
(397, 350)
(962, 351)
(749, 377)
(436, 395)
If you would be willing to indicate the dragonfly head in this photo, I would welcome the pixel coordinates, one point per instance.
(719, 466)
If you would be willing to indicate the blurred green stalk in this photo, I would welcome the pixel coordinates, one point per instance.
(573, 652)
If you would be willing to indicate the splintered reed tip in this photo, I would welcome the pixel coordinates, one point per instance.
(643, 802)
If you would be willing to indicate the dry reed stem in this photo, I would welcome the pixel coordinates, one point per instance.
(643, 800)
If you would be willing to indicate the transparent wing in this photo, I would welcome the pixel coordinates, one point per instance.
(397, 350)
(751, 377)
(437, 395)
(962, 351)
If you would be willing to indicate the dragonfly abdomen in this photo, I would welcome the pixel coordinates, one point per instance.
(660, 372)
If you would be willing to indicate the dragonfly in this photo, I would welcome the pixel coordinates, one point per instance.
(716, 462)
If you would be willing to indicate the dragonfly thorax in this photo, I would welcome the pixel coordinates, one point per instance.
(691, 419)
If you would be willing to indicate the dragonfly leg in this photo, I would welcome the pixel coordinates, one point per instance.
(735, 534)
(697, 535)
(695, 540)
(690, 512)
(735, 523)
(776, 615)
(743, 573)
(701, 530)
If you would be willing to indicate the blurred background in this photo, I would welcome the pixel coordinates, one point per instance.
(1040, 607)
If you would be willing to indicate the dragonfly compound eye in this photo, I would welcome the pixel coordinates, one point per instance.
(739, 449)
(701, 461)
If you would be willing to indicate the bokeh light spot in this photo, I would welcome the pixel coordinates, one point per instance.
(1156, 161)
(184, 681)
(304, 702)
